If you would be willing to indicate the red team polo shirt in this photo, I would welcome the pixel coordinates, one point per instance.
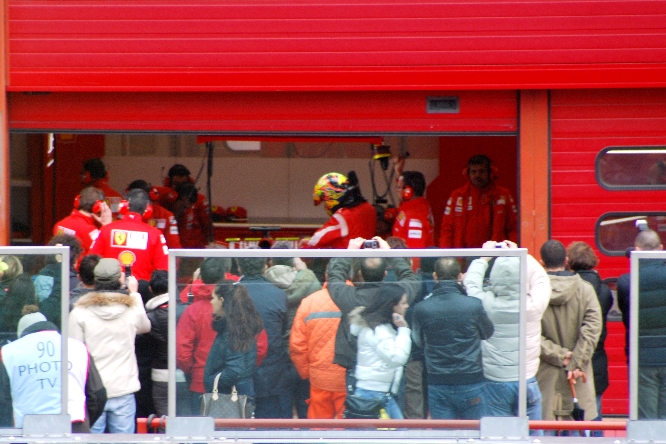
(132, 240)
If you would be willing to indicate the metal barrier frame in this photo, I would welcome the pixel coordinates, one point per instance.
(175, 254)
(64, 311)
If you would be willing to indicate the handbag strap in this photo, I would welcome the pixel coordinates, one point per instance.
(215, 395)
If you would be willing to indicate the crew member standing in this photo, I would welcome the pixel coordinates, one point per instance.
(89, 214)
(478, 211)
(351, 215)
(414, 223)
(162, 218)
(132, 241)
(94, 174)
(190, 208)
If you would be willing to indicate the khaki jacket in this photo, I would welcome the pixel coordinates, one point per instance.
(572, 322)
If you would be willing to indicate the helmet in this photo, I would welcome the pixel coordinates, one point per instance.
(330, 188)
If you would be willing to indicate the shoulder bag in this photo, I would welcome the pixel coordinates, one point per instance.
(233, 405)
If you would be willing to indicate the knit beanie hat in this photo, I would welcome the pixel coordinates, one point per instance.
(28, 320)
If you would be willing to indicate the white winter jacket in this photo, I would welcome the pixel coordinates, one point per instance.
(381, 354)
(502, 303)
(108, 322)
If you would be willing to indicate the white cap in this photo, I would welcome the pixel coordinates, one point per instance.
(28, 320)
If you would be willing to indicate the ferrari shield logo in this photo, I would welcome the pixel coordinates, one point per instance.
(119, 237)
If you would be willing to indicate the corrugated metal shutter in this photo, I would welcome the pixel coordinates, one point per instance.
(264, 113)
(582, 124)
(189, 45)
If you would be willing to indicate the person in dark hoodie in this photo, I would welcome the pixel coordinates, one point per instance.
(19, 297)
(582, 260)
(25, 393)
(48, 282)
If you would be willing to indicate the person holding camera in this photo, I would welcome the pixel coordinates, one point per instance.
(368, 286)
(382, 351)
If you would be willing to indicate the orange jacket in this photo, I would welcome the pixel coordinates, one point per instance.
(474, 216)
(312, 342)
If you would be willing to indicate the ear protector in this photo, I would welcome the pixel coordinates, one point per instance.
(86, 178)
(407, 192)
(153, 194)
(96, 208)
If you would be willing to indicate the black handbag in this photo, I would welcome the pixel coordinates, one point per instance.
(233, 405)
(362, 408)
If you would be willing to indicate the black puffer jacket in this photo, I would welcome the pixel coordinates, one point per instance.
(157, 310)
(599, 358)
(348, 297)
(450, 326)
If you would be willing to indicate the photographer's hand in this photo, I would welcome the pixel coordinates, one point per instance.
(356, 244)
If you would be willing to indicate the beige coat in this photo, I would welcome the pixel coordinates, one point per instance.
(108, 322)
(572, 322)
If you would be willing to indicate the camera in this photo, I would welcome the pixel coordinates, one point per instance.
(371, 244)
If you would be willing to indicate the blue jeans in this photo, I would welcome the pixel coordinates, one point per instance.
(118, 415)
(390, 404)
(457, 401)
(502, 399)
(651, 392)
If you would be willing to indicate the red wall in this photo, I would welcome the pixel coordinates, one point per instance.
(223, 45)
(582, 124)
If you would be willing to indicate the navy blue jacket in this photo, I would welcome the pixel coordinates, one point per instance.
(271, 303)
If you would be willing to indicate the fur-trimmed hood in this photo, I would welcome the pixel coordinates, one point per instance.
(106, 304)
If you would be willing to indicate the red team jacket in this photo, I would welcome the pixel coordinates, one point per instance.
(414, 223)
(164, 221)
(193, 222)
(345, 224)
(132, 240)
(474, 216)
(78, 224)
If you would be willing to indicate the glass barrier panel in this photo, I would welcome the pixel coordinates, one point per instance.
(651, 332)
(291, 331)
(31, 301)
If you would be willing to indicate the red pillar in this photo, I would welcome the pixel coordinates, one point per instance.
(5, 180)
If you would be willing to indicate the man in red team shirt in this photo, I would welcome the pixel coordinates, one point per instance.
(479, 211)
(94, 174)
(414, 222)
(162, 219)
(351, 215)
(89, 214)
(132, 241)
(190, 208)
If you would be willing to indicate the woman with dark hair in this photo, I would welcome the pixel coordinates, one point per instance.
(19, 300)
(582, 260)
(382, 352)
(234, 352)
